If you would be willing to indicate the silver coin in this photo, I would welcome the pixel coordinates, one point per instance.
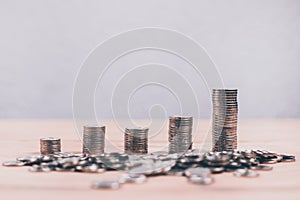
(91, 169)
(142, 169)
(262, 167)
(160, 153)
(106, 185)
(176, 172)
(245, 173)
(287, 158)
(132, 178)
(201, 180)
(38, 168)
(13, 163)
(199, 171)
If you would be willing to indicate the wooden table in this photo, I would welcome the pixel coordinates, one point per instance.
(21, 137)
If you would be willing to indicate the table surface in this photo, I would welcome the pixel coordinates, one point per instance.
(21, 137)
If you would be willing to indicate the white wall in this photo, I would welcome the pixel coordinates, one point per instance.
(255, 44)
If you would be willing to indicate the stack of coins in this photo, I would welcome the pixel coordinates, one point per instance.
(50, 145)
(180, 133)
(93, 139)
(136, 140)
(225, 117)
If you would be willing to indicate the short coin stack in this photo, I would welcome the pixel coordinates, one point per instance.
(224, 119)
(50, 145)
(136, 140)
(93, 139)
(180, 133)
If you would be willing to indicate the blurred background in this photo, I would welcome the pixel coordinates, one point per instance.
(254, 44)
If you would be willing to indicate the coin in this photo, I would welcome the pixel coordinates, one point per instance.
(13, 164)
(245, 173)
(39, 168)
(142, 169)
(106, 185)
(196, 165)
(287, 158)
(201, 180)
(261, 167)
(132, 178)
(176, 171)
(199, 171)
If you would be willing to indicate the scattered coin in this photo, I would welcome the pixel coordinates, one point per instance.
(245, 173)
(288, 158)
(142, 169)
(197, 166)
(160, 153)
(38, 168)
(201, 180)
(199, 171)
(106, 185)
(176, 172)
(262, 167)
(132, 178)
(13, 164)
(216, 170)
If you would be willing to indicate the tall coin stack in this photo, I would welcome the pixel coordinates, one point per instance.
(50, 145)
(180, 133)
(136, 140)
(225, 118)
(93, 139)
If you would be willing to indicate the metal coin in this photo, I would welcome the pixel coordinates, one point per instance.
(13, 164)
(262, 168)
(245, 173)
(201, 180)
(132, 178)
(199, 171)
(106, 185)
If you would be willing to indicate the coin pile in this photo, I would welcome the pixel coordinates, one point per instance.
(224, 119)
(198, 167)
(180, 133)
(136, 140)
(50, 145)
(93, 139)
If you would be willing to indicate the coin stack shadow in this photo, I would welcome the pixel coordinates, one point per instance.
(50, 145)
(224, 119)
(180, 133)
(136, 140)
(93, 139)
